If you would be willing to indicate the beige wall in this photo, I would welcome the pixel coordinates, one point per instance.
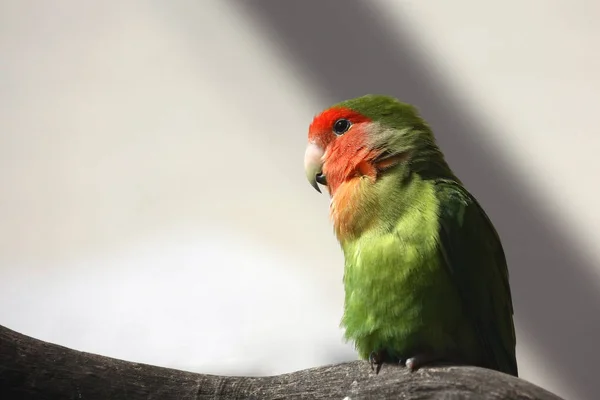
(153, 202)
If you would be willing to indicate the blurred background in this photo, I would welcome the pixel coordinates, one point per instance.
(153, 203)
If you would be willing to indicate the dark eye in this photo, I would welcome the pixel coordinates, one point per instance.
(341, 126)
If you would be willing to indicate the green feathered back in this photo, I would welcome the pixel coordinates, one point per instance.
(472, 253)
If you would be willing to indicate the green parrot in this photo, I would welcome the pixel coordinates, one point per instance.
(425, 275)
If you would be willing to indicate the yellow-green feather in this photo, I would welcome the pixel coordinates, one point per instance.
(405, 297)
(398, 296)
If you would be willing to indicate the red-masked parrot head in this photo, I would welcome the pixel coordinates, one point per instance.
(363, 137)
(354, 144)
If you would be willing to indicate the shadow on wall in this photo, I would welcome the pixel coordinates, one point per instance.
(347, 52)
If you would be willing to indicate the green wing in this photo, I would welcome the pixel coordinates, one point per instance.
(472, 252)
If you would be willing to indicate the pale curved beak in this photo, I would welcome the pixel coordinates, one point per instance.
(313, 165)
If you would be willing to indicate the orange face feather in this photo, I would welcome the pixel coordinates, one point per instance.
(346, 159)
(346, 156)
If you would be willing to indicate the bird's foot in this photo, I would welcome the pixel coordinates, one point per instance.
(376, 359)
(419, 360)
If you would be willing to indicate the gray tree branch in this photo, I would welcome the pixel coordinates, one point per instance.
(34, 369)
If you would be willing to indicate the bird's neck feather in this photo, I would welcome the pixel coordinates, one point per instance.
(363, 204)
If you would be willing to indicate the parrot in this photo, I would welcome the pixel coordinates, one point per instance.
(425, 274)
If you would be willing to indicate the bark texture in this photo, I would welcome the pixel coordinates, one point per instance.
(34, 369)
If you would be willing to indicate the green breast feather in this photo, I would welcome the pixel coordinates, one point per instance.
(433, 280)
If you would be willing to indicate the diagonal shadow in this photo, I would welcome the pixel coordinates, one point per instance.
(348, 52)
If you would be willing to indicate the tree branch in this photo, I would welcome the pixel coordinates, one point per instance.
(34, 369)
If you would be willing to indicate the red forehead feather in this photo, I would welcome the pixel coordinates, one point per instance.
(323, 123)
